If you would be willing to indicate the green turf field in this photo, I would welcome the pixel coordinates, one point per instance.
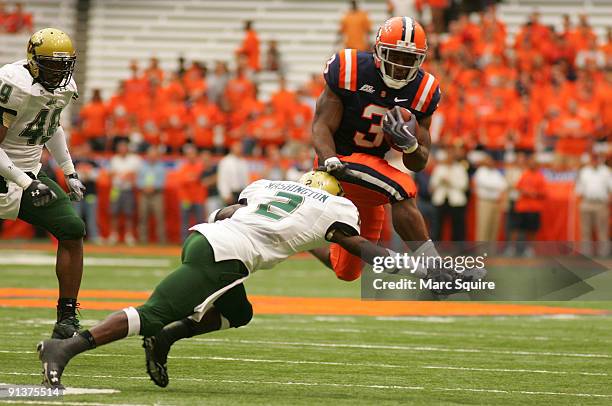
(284, 359)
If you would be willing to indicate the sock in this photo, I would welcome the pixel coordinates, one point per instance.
(78, 344)
(187, 327)
(66, 307)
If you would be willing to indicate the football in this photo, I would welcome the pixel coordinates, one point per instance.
(406, 114)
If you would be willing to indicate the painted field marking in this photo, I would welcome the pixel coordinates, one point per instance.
(315, 306)
(338, 385)
(403, 347)
(532, 371)
(428, 333)
(49, 260)
(332, 363)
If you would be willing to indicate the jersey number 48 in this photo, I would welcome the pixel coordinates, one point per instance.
(38, 131)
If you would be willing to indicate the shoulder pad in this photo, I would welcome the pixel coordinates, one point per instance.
(341, 71)
(15, 84)
(428, 94)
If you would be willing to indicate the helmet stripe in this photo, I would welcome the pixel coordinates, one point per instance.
(408, 26)
(413, 30)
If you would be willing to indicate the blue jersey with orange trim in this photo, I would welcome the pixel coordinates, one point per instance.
(354, 77)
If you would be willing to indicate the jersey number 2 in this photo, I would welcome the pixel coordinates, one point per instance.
(374, 137)
(35, 130)
(288, 203)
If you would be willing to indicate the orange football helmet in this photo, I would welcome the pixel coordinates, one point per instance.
(399, 51)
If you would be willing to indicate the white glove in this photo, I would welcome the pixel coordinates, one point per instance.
(334, 164)
(76, 187)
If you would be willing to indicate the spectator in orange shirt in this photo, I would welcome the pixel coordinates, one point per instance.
(355, 28)
(194, 79)
(154, 73)
(250, 46)
(300, 119)
(173, 123)
(526, 122)
(136, 89)
(205, 118)
(530, 203)
(149, 119)
(93, 121)
(120, 118)
(191, 192)
(241, 123)
(495, 129)
(582, 35)
(174, 89)
(460, 126)
(283, 99)
(269, 128)
(238, 90)
(574, 132)
(18, 20)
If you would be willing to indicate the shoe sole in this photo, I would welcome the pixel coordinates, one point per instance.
(155, 366)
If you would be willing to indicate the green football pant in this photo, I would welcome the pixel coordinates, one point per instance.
(58, 217)
(197, 278)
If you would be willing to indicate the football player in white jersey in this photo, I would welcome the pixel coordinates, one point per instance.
(33, 93)
(274, 220)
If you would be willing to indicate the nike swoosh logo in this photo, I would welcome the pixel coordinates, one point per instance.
(399, 100)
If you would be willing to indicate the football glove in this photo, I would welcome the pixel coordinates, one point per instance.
(76, 187)
(40, 193)
(403, 133)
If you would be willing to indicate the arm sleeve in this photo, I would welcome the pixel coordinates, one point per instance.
(222, 182)
(58, 148)
(9, 171)
(343, 216)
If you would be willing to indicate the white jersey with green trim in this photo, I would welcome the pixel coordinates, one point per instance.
(280, 219)
(30, 112)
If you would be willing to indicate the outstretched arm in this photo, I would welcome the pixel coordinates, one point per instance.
(359, 246)
(328, 116)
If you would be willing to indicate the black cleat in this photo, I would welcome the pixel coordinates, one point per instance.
(54, 359)
(66, 328)
(157, 360)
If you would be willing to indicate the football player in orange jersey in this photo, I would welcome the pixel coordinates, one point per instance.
(359, 101)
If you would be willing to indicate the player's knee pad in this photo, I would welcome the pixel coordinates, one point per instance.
(346, 266)
(239, 316)
(72, 228)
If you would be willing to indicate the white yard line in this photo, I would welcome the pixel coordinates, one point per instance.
(430, 333)
(403, 347)
(344, 364)
(338, 385)
(49, 260)
(40, 402)
(533, 371)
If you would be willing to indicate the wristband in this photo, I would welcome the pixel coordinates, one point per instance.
(213, 216)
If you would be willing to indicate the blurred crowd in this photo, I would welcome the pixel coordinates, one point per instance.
(541, 103)
(14, 19)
